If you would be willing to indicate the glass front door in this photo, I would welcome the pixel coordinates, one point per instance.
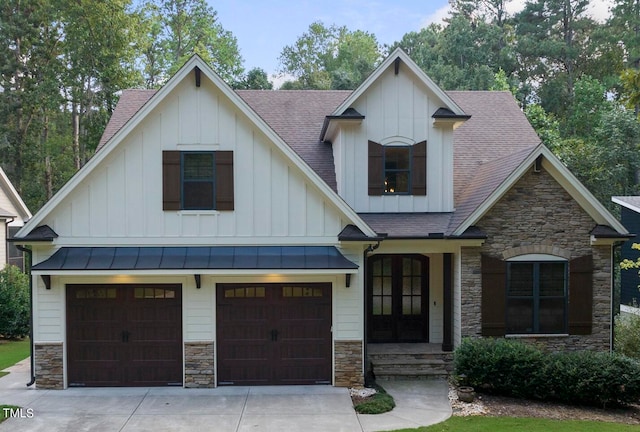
(398, 297)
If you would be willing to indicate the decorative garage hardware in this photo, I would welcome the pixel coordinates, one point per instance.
(274, 335)
(125, 336)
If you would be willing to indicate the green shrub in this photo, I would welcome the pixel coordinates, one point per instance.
(627, 335)
(14, 303)
(379, 403)
(513, 368)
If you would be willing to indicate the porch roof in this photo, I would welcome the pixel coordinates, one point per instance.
(197, 258)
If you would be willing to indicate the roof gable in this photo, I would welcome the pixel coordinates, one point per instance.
(12, 204)
(486, 199)
(398, 58)
(147, 102)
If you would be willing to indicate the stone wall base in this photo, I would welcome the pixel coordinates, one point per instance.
(199, 365)
(49, 366)
(348, 364)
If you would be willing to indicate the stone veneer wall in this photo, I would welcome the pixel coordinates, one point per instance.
(49, 366)
(348, 364)
(199, 365)
(538, 216)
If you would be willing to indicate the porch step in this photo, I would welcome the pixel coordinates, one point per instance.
(404, 361)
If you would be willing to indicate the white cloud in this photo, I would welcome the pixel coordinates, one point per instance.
(436, 17)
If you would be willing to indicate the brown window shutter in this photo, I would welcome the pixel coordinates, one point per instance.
(376, 169)
(493, 306)
(580, 295)
(170, 180)
(419, 169)
(224, 180)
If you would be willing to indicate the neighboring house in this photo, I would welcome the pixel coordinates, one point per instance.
(13, 215)
(277, 237)
(629, 279)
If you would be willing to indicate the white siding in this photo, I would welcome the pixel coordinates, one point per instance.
(120, 201)
(397, 110)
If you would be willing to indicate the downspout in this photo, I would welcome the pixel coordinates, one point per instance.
(368, 250)
(33, 368)
(612, 334)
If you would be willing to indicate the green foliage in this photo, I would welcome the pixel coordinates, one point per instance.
(379, 403)
(492, 424)
(13, 351)
(256, 79)
(627, 335)
(513, 368)
(14, 303)
(330, 58)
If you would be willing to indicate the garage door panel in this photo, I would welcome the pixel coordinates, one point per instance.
(281, 335)
(124, 335)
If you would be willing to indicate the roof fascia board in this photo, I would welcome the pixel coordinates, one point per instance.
(618, 200)
(390, 62)
(14, 196)
(563, 176)
(155, 100)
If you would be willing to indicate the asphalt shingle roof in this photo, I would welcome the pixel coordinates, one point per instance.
(487, 147)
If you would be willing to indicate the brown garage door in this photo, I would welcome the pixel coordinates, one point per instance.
(274, 334)
(124, 335)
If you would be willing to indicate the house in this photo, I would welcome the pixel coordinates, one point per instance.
(279, 237)
(13, 215)
(629, 279)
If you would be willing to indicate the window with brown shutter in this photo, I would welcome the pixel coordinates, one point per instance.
(493, 296)
(581, 295)
(376, 173)
(194, 180)
(397, 169)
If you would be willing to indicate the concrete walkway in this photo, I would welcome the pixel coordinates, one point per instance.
(224, 409)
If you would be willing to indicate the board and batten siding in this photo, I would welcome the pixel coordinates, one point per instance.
(120, 201)
(397, 110)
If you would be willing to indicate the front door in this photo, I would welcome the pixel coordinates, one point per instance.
(398, 295)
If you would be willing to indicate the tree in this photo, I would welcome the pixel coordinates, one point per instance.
(177, 29)
(552, 43)
(256, 79)
(14, 303)
(330, 57)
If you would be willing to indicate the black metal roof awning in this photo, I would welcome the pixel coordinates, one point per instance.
(196, 258)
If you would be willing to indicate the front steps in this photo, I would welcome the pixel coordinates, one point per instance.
(409, 361)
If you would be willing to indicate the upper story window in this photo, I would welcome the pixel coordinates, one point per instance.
(196, 180)
(397, 170)
(536, 297)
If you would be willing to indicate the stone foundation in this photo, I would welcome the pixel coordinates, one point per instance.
(348, 364)
(199, 365)
(49, 366)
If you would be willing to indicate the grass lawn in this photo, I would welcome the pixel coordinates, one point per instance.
(2, 417)
(513, 424)
(11, 352)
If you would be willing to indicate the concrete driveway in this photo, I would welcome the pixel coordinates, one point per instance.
(224, 409)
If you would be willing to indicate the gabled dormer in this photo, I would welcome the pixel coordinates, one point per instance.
(392, 141)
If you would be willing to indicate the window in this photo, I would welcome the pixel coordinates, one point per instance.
(536, 297)
(198, 180)
(397, 170)
(16, 256)
(194, 180)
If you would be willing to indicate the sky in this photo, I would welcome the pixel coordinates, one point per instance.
(264, 27)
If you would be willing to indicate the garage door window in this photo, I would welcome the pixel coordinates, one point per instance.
(301, 291)
(244, 292)
(154, 293)
(96, 293)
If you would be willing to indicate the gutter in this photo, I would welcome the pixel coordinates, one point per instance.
(33, 368)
